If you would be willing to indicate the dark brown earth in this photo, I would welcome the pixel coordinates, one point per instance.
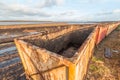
(102, 68)
(65, 43)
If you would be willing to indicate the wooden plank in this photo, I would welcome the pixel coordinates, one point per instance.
(60, 73)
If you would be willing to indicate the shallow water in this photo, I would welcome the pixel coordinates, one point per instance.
(8, 36)
(7, 50)
(8, 62)
(17, 35)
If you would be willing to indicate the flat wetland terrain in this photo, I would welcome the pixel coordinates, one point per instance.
(100, 68)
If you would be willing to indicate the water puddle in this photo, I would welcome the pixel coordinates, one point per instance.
(7, 49)
(14, 35)
(8, 36)
(34, 32)
(8, 62)
(8, 53)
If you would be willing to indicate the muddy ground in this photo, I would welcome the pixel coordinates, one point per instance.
(102, 67)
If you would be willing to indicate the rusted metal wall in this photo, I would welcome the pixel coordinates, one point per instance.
(104, 30)
(111, 27)
(85, 54)
(101, 33)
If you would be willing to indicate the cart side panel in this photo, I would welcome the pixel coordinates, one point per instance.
(102, 34)
(86, 53)
(36, 61)
(60, 73)
(111, 28)
(28, 65)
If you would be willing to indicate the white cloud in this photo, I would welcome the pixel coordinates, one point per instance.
(18, 10)
(116, 11)
(103, 16)
(60, 2)
(92, 1)
(22, 11)
(97, 1)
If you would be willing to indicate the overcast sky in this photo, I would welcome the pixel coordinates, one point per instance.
(60, 10)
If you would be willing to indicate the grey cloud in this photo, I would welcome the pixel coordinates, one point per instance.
(66, 13)
(103, 16)
(3, 6)
(23, 11)
(7, 10)
(28, 13)
(49, 3)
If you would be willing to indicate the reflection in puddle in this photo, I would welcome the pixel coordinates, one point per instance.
(7, 49)
(14, 35)
(34, 32)
(8, 62)
(7, 36)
